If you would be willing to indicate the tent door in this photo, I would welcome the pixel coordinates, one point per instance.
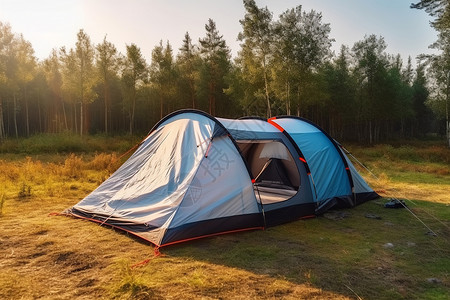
(275, 174)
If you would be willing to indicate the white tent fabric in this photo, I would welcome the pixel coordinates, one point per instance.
(161, 184)
(222, 183)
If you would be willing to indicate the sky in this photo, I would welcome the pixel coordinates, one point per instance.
(49, 24)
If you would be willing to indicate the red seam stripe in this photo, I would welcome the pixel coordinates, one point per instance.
(270, 121)
(210, 235)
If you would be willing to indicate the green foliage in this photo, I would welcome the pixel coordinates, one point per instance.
(439, 9)
(188, 65)
(134, 75)
(302, 45)
(163, 77)
(257, 38)
(107, 64)
(215, 55)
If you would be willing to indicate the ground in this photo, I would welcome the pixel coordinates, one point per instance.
(367, 252)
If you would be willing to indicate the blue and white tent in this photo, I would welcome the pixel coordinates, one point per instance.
(196, 176)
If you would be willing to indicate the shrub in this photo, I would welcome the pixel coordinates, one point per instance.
(104, 161)
(25, 190)
(9, 171)
(73, 166)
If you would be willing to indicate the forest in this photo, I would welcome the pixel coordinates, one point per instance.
(285, 65)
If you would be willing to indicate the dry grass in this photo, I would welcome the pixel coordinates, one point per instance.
(54, 257)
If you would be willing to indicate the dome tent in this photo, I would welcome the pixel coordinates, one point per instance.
(196, 175)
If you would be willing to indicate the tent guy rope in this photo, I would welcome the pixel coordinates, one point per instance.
(398, 192)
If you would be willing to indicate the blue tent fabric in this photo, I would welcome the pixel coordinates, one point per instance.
(327, 168)
(196, 175)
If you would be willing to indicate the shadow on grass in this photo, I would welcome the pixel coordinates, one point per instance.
(349, 256)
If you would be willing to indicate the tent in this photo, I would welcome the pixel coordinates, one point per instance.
(196, 175)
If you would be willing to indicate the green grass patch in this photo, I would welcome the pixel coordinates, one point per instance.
(68, 143)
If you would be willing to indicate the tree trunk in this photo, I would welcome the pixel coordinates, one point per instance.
(65, 117)
(2, 124)
(106, 92)
(75, 117)
(81, 118)
(447, 121)
(192, 85)
(15, 115)
(39, 116)
(28, 117)
(211, 98)
(132, 114)
(288, 98)
(160, 107)
(266, 87)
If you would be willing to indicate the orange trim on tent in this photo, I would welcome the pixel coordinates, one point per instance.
(167, 244)
(270, 121)
(308, 217)
(110, 225)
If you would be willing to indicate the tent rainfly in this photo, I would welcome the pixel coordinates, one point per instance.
(196, 175)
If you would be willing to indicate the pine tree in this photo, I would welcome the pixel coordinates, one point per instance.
(188, 62)
(216, 64)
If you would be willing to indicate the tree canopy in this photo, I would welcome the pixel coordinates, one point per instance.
(284, 66)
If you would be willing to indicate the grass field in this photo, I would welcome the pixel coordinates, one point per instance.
(340, 255)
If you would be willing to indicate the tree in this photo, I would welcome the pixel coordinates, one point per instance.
(257, 36)
(188, 62)
(85, 55)
(440, 63)
(6, 43)
(162, 74)
(439, 71)
(408, 72)
(341, 87)
(79, 75)
(371, 62)
(134, 75)
(422, 114)
(395, 100)
(216, 63)
(39, 93)
(26, 70)
(284, 71)
(53, 76)
(303, 44)
(440, 9)
(107, 64)
(19, 65)
(69, 86)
